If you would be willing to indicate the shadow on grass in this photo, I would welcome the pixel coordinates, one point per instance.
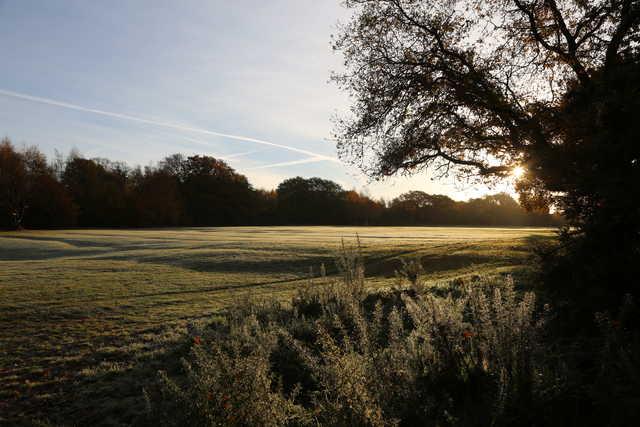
(104, 388)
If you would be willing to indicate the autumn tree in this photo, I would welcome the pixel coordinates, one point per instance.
(214, 193)
(156, 198)
(99, 188)
(477, 88)
(419, 208)
(310, 201)
(30, 195)
(265, 207)
(49, 204)
(12, 185)
(360, 209)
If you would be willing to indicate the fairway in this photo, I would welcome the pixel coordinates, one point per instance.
(85, 313)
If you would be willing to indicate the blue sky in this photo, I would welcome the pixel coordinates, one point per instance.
(137, 80)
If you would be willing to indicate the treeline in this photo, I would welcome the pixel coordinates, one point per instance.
(204, 191)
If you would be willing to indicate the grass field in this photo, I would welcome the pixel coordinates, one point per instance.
(88, 316)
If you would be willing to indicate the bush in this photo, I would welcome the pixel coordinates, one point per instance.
(477, 354)
(583, 275)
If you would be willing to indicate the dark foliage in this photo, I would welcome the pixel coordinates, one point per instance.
(213, 193)
(203, 191)
(417, 207)
(99, 190)
(30, 194)
(157, 198)
(305, 201)
(480, 87)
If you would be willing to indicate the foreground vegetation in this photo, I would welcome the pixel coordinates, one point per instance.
(87, 317)
(471, 352)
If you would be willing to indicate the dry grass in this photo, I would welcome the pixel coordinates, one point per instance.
(86, 315)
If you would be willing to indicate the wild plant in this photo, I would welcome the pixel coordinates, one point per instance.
(465, 353)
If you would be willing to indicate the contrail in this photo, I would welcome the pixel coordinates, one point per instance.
(75, 107)
(244, 153)
(291, 163)
(219, 156)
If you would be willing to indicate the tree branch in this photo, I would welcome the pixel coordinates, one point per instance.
(630, 18)
(569, 56)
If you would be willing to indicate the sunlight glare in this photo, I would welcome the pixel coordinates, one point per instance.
(517, 172)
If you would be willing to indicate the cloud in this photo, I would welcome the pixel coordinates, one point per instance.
(47, 101)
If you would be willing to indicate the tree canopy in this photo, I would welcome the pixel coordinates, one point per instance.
(481, 86)
(204, 191)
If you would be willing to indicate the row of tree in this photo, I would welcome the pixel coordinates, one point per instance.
(204, 191)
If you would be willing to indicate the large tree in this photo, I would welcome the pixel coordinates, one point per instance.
(483, 86)
(30, 196)
(480, 87)
(13, 186)
(310, 201)
(157, 198)
(99, 188)
(214, 193)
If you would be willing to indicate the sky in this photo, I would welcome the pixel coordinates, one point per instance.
(135, 81)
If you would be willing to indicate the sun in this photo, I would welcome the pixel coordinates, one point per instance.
(517, 172)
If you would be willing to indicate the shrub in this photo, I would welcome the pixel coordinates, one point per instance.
(470, 353)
